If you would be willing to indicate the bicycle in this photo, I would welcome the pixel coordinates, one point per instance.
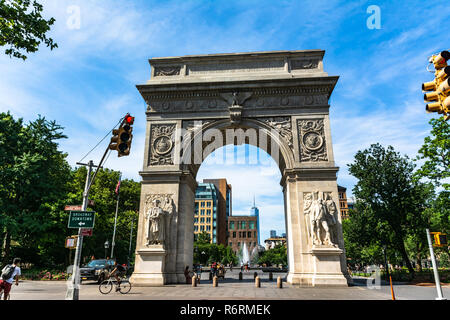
(106, 286)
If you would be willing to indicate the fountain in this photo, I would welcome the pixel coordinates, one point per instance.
(243, 255)
(254, 256)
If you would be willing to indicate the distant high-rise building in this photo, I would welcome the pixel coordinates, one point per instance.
(254, 212)
(283, 235)
(205, 212)
(273, 233)
(351, 203)
(223, 209)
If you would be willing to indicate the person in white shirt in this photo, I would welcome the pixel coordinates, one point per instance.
(5, 284)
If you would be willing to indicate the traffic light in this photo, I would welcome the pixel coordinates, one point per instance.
(114, 139)
(439, 97)
(440, 239)
(125, 136)
(122, 137)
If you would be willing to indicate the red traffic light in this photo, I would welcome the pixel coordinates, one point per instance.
(129, 119)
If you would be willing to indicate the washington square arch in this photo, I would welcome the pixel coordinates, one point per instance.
(277, 101)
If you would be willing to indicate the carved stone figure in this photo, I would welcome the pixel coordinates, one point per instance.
(282, 125)
(320, 217)
(156, 228)
(235, 101)
(304, 64)
(158, 215)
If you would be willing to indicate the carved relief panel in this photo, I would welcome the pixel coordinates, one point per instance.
(159, 212)
(321, 216)
(161, 144)
(312, 142)
(281, 124)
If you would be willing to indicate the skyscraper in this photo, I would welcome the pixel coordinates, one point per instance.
(254, 211)
(205, 212)
(273, 233)
(223, 196)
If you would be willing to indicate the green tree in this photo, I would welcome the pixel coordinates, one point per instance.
(436, 153)
(23, 28)
(206, 252)
(390, 201)
(34, 177)
(275, 256)
(102, 193)
(203, 238)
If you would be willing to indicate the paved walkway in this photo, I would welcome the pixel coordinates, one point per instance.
(231, 288)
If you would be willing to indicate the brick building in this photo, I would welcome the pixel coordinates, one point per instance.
(242, 229)
(343, 202)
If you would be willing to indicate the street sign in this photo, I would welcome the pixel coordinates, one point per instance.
(72, 208)
(86, 232)
(71, 242)
(81, 219)
(77, 207)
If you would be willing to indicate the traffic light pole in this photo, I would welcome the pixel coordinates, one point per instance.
(435, 270)
(74, 287)
(115, 220)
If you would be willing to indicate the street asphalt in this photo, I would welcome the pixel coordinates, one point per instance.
(230, 288)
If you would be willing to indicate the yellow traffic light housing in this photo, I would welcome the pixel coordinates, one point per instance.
(440, 239)
(440, 87)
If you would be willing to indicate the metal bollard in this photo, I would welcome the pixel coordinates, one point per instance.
(257, 282)
(279, 283)
(194, 281)
(240, 275)
(215, 281)
(270, 276)
(255, 275)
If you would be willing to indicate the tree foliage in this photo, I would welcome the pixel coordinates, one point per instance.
(34, 178)
(22, 27)
(275, 256)
(206, 252)
(390, 202)
(36, 182)
(102, 193)
(436, 153)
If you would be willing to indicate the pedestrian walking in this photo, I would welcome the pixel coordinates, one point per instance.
(10, 272)
(187, 274)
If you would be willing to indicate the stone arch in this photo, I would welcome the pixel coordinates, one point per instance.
(282, 95)
(272, 141)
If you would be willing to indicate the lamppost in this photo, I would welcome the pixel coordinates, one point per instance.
(203, 254)
(106, 247)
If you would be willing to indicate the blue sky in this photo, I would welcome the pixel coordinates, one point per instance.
(89, 81)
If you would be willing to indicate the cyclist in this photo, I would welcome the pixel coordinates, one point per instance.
(118, 272)
(7, 277)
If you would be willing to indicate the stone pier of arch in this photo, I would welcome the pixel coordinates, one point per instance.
(281, 96)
